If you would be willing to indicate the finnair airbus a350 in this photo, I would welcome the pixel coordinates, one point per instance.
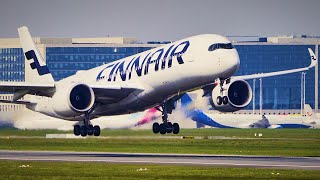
(154, 78)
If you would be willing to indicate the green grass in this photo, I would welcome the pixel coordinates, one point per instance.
(287, 142)
(241, 133)
(278, 147)
(18, 132)
(74, 170)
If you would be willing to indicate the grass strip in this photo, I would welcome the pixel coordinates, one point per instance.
(275, 147)
(65, 170)
(241, 133)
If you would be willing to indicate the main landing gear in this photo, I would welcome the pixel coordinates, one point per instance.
(166, 126)
(87, 128)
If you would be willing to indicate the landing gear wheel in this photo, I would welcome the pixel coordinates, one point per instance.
(76, 130)
(163, 128)
(90, 130)
(219, 100)
(156, 128)
(176, 128)
(166, 126)
(225, 100)
(96, 130)
(83, 131)
(169, 127)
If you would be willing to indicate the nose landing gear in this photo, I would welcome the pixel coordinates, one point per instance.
(223, 99)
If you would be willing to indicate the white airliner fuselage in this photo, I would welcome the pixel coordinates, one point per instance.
(155, 78)
(161, 74)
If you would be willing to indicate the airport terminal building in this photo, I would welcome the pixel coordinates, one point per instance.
(67, 56)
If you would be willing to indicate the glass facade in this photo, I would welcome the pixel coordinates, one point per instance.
(11, 64)
(279, 92)
(66, 61)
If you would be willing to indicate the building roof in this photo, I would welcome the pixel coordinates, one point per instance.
(132, 42)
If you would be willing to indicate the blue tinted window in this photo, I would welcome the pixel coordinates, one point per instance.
(279, 92)
(11, 64)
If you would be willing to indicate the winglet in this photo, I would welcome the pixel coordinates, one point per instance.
(313, 58)
(35, 66)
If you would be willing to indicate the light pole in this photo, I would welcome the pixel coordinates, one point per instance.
(260, 96)
(301, 95)
(254, 97)
(304, 90)
(316, 83)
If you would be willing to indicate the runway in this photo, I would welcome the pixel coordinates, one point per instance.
(169, 159)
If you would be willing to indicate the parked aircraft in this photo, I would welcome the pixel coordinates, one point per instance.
(229, 120)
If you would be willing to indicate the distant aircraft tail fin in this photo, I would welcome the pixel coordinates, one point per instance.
(191, 111)
(308, 111)
(313, 57)
(193, 100)
(36, 68)
(186, 100)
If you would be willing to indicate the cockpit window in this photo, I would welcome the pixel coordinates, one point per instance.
(220, 46)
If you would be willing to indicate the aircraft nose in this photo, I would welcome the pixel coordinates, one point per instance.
(235, 60)
(230, 63)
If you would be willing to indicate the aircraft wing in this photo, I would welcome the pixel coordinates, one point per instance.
(313, 63)
(112, 93)
(103, 93)
(22, 88)
(15, 102)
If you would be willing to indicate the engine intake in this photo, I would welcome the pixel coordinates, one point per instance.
(73, 100)
(235, 96)
(81, 98)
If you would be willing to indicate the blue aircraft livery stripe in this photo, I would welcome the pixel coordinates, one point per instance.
(294, 126)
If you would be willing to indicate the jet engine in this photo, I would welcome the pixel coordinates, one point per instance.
(73, 100)
(233, 96)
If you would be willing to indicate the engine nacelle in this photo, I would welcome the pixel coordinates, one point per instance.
(235, 96)
(73, 100)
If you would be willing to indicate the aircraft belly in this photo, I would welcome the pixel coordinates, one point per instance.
(134, 107)
(131, 104)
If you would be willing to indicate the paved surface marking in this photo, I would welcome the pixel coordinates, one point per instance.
(172, 159)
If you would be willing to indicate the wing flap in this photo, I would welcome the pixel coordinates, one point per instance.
(22, 88)
(15, 102)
